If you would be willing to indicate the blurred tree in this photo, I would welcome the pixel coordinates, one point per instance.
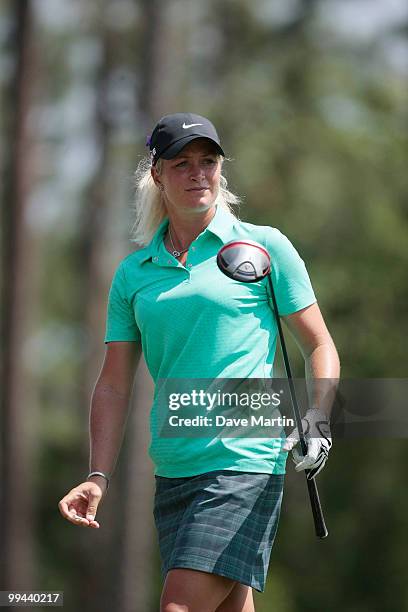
(17, 412)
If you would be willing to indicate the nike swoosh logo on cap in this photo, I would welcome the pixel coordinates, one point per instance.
(190, 125)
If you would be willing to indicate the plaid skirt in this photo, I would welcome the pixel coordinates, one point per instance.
(222, 522)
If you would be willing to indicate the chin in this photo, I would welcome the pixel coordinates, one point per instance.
(201, 205)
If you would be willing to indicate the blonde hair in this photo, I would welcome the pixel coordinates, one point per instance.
(149, 207)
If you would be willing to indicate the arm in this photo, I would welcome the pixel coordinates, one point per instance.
(322, 362)
(109, 406)
(322, 370)
(109, 410)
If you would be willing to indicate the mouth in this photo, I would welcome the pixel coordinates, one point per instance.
(197, 189)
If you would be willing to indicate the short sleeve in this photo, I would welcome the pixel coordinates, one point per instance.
(120, 321)
(291, 282)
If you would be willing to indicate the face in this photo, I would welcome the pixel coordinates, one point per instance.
(191, 180)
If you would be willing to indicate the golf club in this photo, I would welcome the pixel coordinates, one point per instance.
(248, 261)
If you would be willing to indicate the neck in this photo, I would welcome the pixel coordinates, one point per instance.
(186, 229)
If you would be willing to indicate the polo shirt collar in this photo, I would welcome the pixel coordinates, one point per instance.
(152, 248)
(221, 225)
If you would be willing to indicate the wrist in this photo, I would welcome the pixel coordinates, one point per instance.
(319, 413)
(99, 477)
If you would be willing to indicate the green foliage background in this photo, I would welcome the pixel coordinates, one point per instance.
(313, 115)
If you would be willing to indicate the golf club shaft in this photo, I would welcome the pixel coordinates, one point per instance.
(320, 526)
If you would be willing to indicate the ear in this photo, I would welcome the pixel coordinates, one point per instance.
(154, 173)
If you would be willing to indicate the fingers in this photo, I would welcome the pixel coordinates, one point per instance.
(79, 506)
(74, 516)
(291, 440)
(92, 507)
(310, 461)
(296, 456)
(79, 519)
(320, 463)
(293, 437)
(305, 462)
(318, 437)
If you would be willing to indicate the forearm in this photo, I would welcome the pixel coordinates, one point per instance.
(107, 421)
(322, 371)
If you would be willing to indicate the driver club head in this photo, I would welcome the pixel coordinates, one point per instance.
(244, 260)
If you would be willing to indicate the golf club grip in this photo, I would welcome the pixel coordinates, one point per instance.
(320, 526)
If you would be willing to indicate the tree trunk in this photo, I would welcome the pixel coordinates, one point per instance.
(18, 420)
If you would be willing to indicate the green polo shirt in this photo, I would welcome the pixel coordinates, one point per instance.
(196, 323)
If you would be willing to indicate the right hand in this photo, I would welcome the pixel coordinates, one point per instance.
(79, 506)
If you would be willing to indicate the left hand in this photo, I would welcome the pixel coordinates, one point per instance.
(316, 429)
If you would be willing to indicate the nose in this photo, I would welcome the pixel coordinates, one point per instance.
(197, 171)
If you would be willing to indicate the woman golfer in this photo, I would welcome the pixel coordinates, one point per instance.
(217, 500)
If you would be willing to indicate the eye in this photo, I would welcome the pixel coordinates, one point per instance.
(180, 164)
(210, 161)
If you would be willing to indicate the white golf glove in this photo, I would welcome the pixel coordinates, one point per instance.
(316, 429)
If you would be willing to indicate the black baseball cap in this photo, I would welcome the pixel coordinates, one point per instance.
(173, 132)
